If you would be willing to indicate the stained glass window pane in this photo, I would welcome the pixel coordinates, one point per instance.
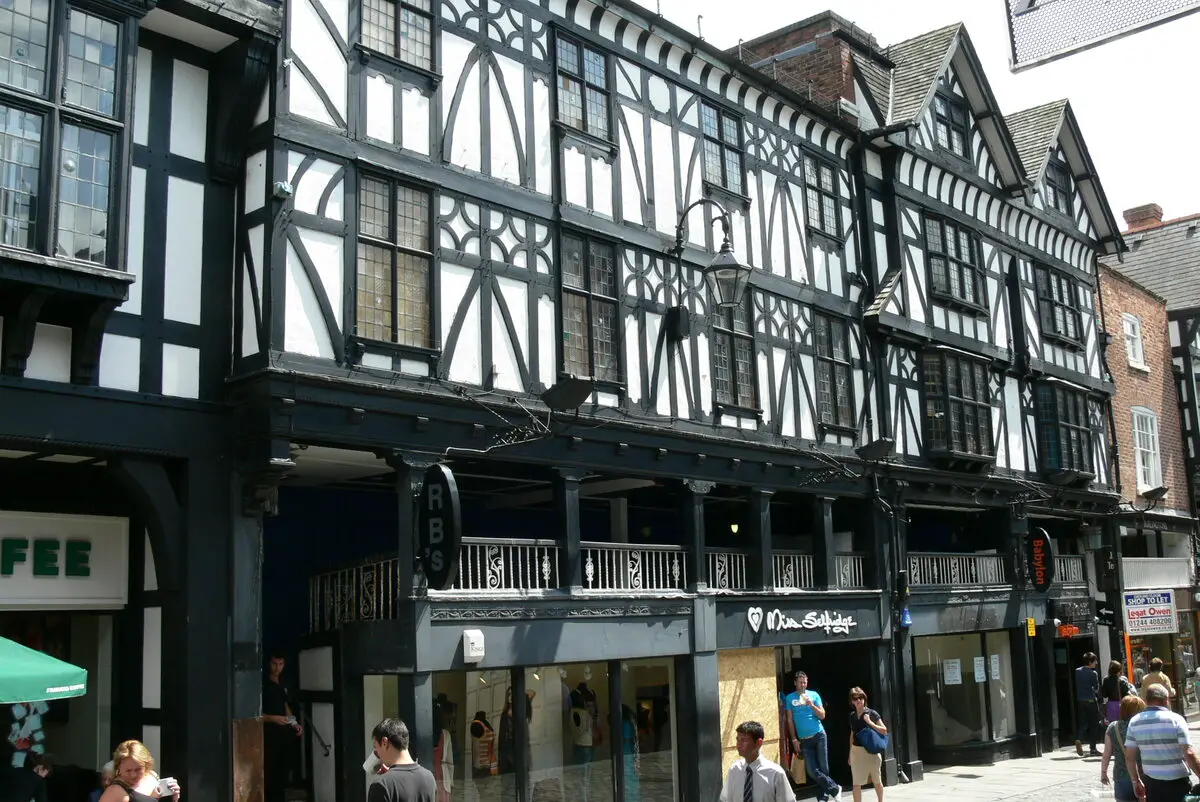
(604, 341)
(91, 80)
(83, 200)
(572, 267)
(576, 343)
(708, 120)
(24, 41)
(412, 299)
(722, 369)
(416, 38)
(412, 218)
(594, 69)
(374, 208)
(603, 269)
(745, 372)
(570, 101)
(20, 163)
(379, 25)
(373, 300)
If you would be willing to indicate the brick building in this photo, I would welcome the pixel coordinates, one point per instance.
(1142, 298)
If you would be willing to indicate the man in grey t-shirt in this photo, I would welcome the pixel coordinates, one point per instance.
(405, 780)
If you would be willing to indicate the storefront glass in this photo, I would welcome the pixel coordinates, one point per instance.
(571, 733)
(964, 685)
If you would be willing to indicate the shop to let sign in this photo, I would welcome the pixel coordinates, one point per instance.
(1150, 612)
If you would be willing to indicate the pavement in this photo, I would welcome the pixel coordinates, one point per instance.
(1061, 776)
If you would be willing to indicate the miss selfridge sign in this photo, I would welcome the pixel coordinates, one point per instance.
(63, 561)
(778, 621)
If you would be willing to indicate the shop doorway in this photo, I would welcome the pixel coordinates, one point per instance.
(75, 733)
(832, 671)
(1068, 656)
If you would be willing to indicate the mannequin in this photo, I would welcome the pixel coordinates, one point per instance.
(583, 727)
(443, 752)
(483, 746)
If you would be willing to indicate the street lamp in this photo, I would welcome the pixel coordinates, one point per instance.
(725, 276)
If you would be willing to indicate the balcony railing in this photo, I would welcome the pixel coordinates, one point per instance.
(362, 593)
(616, 567)
(727, 570)
(851, 570)
(792, 570)
(1068, 569)
(505, 565)
(949, 569)
(1156, 573)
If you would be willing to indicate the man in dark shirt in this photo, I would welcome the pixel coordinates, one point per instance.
(405, 780)
(1087, 704)
(280, 730)
(25, 784)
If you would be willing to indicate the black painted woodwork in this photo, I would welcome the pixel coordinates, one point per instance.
(410, 472)
(246, 558)
(825, 575)
(691, 520)
(566, 514)
(241, 74)
(760, 573)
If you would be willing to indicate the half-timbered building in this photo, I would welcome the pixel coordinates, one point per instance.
(123, 124)
(980, 311)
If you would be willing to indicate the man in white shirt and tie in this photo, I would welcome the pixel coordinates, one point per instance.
(753, 778)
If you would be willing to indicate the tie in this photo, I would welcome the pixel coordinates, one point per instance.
(748, 791)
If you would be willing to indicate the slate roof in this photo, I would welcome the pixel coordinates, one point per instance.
(1034, 132)
(1166, 260)
(918, 63)
(887, 288)
(878, 82)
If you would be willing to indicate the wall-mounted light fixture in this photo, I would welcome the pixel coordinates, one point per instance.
(725, 276)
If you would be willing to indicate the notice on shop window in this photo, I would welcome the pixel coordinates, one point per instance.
(995, 666)
(980, 669)
(952, 672)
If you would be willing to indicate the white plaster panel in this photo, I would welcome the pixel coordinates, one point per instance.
(189, 110)
(381, 108)
(249, 333)
(575, 176)
(325, 251)
(693, 183)
(152, 657)
(787, 398)
(136, 232)
(414, 120)
(304, 325)
(463, 138)
(543, 144)
(50, 357)
(662, 395)
(256, 236)
(377, 361)
(629, 78)
(185, 251)
(507, 363)
(632, 159)
(914, 286)
(256, 181)
(316, 669)
(467, 363)
(666, 209)
(141, 97)
(339, 14)
(765, 391)
(547, 329)
(312, 185)
(681, 376)
(120, 362)
(149, 570)
(312, 43)
(302, 100)
(602, 189)
(152, 738)
(659, 94)
(506, 140)
(414, 367)
(633, 359)
(807, 428)
(1012, 414)
(180, 371)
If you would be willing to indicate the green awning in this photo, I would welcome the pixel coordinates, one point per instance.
(27, 675)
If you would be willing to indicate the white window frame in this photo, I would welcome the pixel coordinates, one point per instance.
(1135, 348)
(1146, 452)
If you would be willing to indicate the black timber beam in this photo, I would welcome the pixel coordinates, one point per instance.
(46, 416)
(232, 17)
(296, 409)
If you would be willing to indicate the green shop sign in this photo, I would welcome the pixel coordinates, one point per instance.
(46, 556)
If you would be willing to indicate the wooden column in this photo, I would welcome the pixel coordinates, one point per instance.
(824, 552)
(691, 520)
(566, 513)
(758, 521)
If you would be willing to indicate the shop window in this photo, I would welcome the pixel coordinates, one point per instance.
(647, 730)
(570, 734)
(965, 688)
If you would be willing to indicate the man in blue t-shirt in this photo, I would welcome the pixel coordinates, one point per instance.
(807, 711)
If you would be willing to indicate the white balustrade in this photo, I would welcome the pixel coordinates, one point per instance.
(851, 570)
(1156, 573)
(726, 570)
(792, 570)
(1068, 569)
(949, 569)
(506, 565)
(618, 567)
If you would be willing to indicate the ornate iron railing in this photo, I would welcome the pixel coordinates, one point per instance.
(363, 593)
(613, 567)
(727, 570)
(1068, 569)
(504, 565)
(851, 570)
(792, 570)
(948, 569)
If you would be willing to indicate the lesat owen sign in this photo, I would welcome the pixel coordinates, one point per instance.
(439, 527)
(1150, 612)
(63, 561)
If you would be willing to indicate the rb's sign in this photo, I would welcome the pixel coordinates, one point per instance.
(439, 527)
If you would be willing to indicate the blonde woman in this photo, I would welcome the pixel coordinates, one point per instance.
(1114, 749)
(135, 779)
(865, 767)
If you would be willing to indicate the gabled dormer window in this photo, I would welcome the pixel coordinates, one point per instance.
(1058, 187)
(954, 264)
(950, 124)
(1058, 305)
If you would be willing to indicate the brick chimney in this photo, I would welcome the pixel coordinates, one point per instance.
(812, 57)
(1141, 217)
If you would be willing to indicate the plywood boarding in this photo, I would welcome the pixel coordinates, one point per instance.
(748, 692)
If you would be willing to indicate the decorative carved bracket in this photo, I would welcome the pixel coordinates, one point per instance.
(245, 68)
(20, 325)
(86, 337)
(261, 478)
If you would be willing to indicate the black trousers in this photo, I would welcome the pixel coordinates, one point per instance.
(1087, 720)
(1166, 790)
(277, 767)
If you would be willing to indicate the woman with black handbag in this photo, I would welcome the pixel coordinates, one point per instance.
(868, 742)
